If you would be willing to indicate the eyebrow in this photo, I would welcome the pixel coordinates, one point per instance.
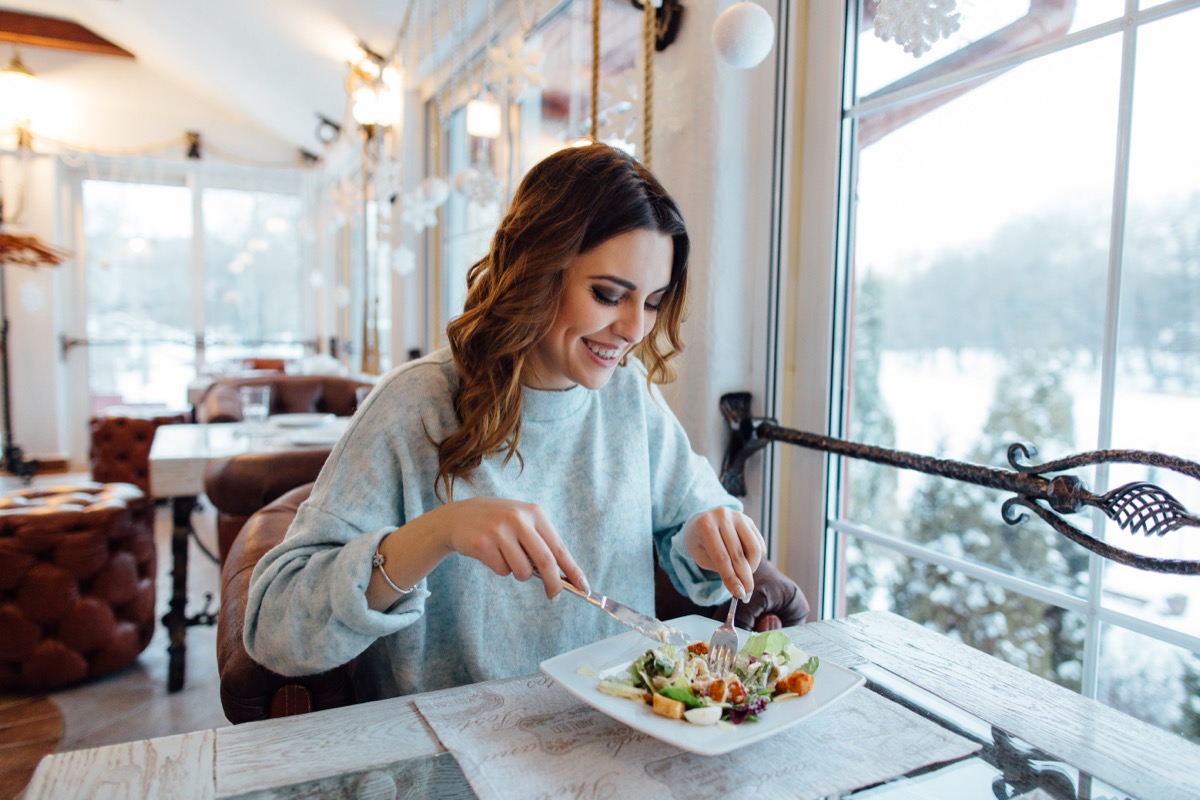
(630, 285)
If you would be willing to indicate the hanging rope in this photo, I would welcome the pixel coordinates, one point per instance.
(595, 133)
(648, 40)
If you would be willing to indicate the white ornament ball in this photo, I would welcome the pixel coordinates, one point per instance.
(743, 35)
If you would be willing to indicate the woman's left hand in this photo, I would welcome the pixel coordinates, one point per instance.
(728, 542)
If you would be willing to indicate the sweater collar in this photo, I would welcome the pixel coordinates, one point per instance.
(538, 405)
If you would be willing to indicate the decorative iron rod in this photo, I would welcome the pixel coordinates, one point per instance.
(1138, 507)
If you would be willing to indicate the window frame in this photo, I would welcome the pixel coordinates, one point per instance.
(808, 494)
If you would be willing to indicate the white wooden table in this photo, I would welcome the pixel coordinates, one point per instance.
(386, 746)
(179, 456)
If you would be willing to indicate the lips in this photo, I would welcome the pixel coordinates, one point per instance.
(608, 353)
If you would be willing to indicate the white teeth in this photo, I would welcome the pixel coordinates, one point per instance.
(603, 352)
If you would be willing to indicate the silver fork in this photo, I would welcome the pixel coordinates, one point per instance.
(724, 644)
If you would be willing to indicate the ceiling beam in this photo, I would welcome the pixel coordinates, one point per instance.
(60, 34)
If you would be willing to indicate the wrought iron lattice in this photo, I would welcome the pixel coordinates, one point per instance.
(1136, 507)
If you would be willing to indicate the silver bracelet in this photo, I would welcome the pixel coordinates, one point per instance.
(377, 562)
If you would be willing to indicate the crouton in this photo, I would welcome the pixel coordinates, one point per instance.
(666, 707)
(717, 690)
(799, 682)
(699, 648)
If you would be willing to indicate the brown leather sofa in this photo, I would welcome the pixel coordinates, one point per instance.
(290, 394)
(77, 572)
(250, 692)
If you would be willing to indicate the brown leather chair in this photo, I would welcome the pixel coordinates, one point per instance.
(120, 447)
(250, 692)
(290, 394)
(240, 485)
(77, 572)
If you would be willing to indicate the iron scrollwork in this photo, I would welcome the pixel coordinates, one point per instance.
(1138, 507)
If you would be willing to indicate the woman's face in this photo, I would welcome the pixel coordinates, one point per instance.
(609, 303)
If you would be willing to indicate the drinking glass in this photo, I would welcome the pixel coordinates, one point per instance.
(256, 405)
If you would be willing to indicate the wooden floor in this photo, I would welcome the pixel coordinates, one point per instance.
(134, 703)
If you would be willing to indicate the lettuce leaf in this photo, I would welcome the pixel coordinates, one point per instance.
(774, 642)
(681, 691)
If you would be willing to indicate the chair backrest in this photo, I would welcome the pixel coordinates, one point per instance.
(120, 447)
(250, 691)
(290, 394)
(240, 485)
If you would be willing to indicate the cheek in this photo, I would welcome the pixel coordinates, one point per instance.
(581, 316)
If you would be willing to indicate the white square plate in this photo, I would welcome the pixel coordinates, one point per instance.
(580, 671)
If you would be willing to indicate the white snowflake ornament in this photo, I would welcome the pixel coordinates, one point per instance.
(615, 116)
(417, 212)
(514, 66)
(419, 207)
(404, 260)
(435, 191)
(915, 24)
(479, 186)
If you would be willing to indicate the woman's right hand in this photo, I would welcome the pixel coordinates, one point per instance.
(510, 538)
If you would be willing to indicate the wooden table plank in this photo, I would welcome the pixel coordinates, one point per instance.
(1127, 753)
(151, 768)
(259, 756)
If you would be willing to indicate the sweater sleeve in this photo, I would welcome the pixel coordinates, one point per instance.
(307, 610)
(684, 485)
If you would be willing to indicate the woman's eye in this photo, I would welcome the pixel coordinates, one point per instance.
(653, 306)
(604, 297)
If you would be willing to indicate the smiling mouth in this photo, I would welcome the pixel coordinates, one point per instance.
(607, 353)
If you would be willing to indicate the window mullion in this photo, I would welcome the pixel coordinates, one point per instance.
(1108, 359)
(195, 184)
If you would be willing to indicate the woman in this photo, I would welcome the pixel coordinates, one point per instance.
(537, 440)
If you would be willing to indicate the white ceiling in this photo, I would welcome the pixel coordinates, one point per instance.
(267, 67)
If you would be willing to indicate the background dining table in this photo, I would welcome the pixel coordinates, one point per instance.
(1030, 738)
(179, 456)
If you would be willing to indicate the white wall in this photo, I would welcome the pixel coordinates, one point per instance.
(714, 150)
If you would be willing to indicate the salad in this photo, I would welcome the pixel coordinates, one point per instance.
(676, 682)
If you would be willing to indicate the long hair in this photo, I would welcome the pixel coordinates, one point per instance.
(572, 201)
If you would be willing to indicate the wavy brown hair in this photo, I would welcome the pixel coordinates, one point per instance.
(572, 201)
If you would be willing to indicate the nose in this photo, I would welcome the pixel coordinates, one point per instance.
(630, 325)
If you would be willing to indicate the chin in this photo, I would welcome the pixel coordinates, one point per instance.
(595, 379)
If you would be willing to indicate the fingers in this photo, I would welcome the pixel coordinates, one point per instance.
(731, 545)
(511, 537)
(547, 553)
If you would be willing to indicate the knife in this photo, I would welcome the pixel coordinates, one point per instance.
(644, 624)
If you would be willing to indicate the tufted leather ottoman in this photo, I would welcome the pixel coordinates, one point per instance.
(77, 569)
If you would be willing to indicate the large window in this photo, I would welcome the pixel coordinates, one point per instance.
(1020, 262)
(184, 277)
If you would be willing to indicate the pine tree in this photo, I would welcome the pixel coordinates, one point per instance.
(1189, 724)
(964, 521)
(871, 487)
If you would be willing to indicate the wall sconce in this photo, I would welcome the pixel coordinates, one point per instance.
(17, 91)
(483, 118)
(374, 90)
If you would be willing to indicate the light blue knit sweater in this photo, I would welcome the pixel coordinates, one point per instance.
(612, 468)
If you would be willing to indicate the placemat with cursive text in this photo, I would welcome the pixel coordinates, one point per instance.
(530, 738)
